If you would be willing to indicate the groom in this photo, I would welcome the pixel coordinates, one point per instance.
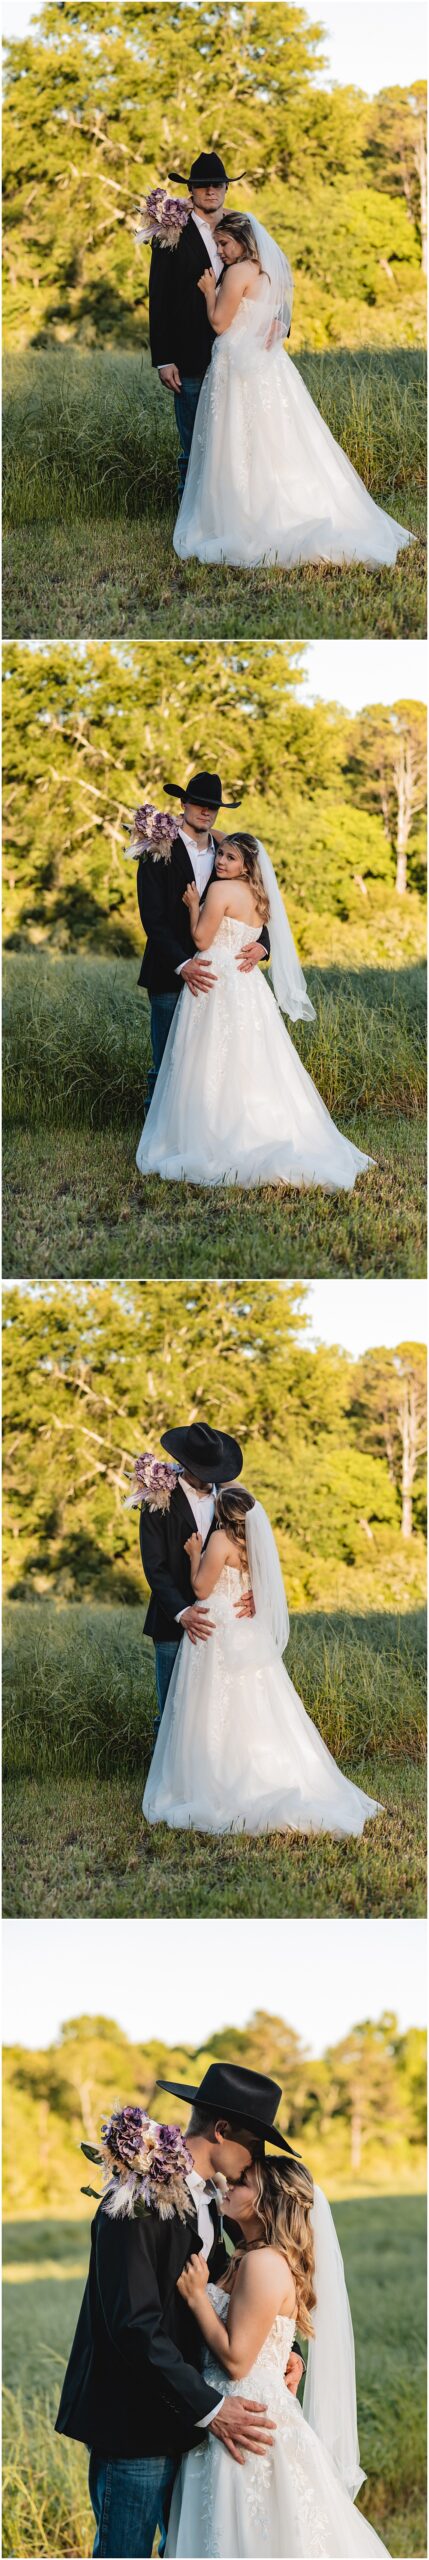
(170, 956)
(207, 1459)
(134, 2390)
(181, 337)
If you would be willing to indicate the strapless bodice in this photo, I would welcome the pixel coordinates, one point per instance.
(266, 2375)
(230, 938)
(233, 1582)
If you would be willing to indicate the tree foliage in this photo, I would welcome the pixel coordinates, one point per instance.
(356, 2112)
(91, 730)
(94, 1373)
(102, 101)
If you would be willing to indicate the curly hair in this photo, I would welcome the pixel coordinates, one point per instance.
(284, 2202)
(248, 846)
(230, 1513)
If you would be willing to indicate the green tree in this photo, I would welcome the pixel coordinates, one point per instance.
(389, 762)
(390, 1407)
(397, 150)
(102, 101)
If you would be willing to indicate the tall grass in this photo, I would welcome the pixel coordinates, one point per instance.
(76, 1041)
(46, 2508)
(94, 434)
(78, 1690)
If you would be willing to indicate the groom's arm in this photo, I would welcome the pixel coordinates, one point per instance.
(133, 2313)
(155, 1566)
(162, 300)
(152, 912)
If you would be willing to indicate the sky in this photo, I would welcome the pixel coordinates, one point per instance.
(368, 43)
(180, 1979)
(361, 1313)
(365, 671)
(357, 1314)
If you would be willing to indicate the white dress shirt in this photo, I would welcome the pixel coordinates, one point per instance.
(202, 858)
(214, 256)
(209, 238)
(202, 1505)
(202, 2196)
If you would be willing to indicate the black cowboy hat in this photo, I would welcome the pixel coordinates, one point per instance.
(207, 171)
(205, 788)
(213, 1457)
(246, 2098)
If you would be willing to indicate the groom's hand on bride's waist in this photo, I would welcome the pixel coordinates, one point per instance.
(198, 974)
(245, 1608)
(294, 2371)
(252, 955)
(244, 2426)
(197, 1623)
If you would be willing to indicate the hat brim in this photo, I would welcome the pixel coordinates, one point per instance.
(180, 794)
(175, 1444)
(235, 2115)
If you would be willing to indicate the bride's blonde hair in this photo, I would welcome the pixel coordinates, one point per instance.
(283, 2204)
(248, 846)
(230, 1513)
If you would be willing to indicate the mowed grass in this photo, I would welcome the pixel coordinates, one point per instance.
(76, 1046)
(90, 501)
(46, 2506)
(79, 1707)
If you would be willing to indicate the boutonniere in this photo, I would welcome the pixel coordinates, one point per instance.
(152, 831)
(152, 1483)
(163, 218)
(145, 2166)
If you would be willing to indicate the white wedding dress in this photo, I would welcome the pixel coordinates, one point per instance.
(232, 1101)
(235, 1749)
(266, 480)
(289, 2503)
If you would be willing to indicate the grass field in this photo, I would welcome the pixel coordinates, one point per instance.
(90, 471)
(76, 1035)
(46, 2509)
(79, 1707)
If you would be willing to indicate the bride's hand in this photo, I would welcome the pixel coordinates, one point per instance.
(193, 2280)
(206, 282)
(191, 899)
(193, 1546)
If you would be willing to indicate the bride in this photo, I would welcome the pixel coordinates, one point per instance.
(232, 1101)
(287, 2271)
(235, 1749)
(266, 480)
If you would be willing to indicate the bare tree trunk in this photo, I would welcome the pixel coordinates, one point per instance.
(422, 173)
(409, 1454)
(404, 778)
(356, 2132)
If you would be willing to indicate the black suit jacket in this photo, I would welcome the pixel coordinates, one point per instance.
(180, 331)
(165, 920)
(167, 1568)
(134, 2382)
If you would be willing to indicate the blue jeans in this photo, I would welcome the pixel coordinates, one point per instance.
(162, 1009)
(165, 1657)
(185, 410)
(130, 2500)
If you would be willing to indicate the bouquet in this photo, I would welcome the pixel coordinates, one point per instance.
(145, 2165)
(164, 217)
(152, 831)
(153, 1482)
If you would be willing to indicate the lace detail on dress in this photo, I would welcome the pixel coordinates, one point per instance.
(265, 2381)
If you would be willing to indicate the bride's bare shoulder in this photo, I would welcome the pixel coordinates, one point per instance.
(270, 2279)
